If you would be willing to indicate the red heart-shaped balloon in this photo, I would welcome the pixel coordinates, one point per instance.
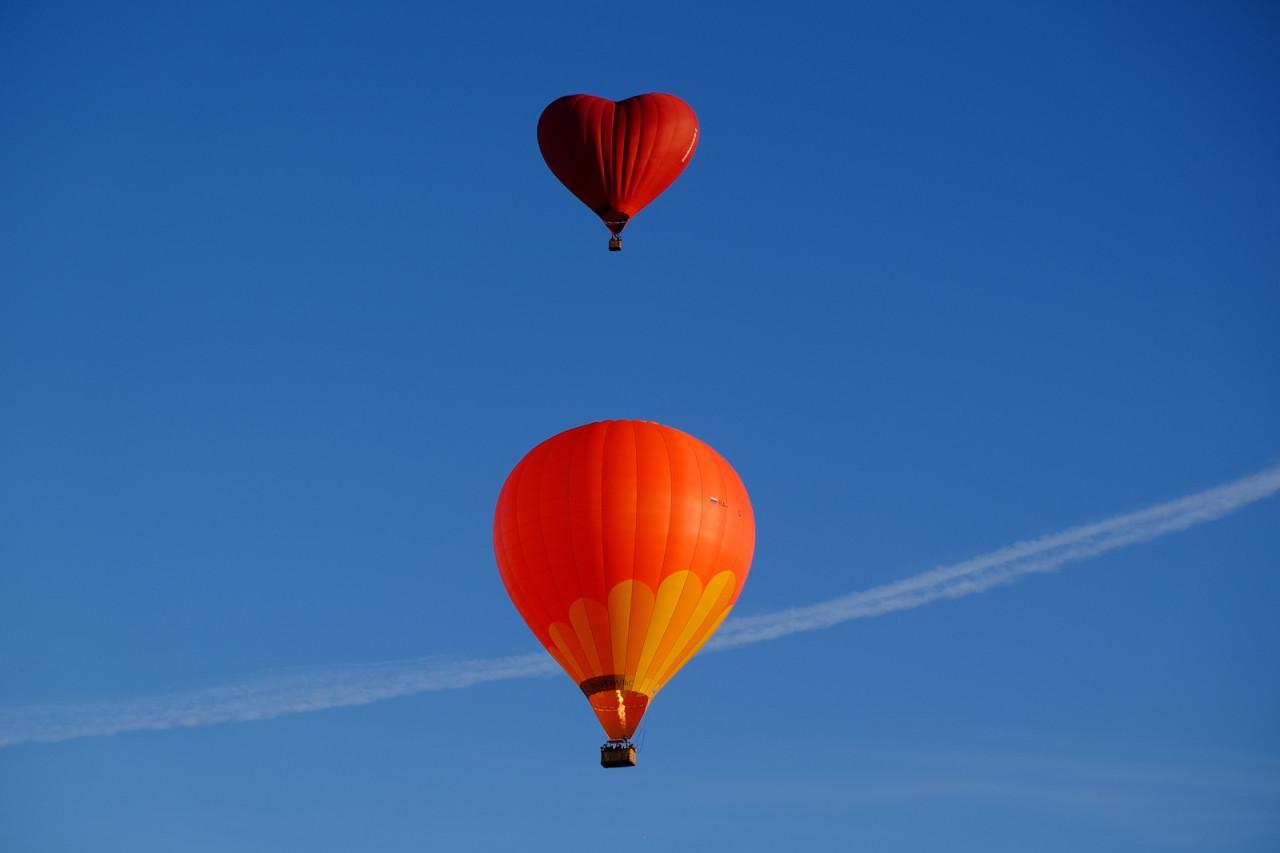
(617, 156)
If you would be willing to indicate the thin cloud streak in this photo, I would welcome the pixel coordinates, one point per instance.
(273, 694)
(1045, 554)
(277, 694)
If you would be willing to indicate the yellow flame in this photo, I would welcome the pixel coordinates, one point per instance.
(622, 712)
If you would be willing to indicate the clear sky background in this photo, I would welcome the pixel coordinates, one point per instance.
(286, 290)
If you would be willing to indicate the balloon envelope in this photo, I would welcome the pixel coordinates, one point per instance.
(623, 544)
(616, 157)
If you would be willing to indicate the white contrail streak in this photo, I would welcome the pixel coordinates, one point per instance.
(276, 694)
(1046, 554)
(272, 694)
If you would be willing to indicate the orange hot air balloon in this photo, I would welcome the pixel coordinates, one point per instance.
(617, 156)
(623, 544)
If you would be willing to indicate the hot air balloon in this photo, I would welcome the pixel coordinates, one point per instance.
(617, 156)
(623, 544)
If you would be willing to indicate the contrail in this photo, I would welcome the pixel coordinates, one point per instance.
(1046, 554)
(276, 694)
(273, 694)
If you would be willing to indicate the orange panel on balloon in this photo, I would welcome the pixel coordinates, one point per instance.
(623, 544)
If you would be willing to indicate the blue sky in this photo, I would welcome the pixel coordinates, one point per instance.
(285, 293)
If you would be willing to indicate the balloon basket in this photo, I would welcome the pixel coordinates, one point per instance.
(615, 244)
(618, 753)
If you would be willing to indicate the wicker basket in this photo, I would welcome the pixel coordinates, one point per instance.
(617, 756)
